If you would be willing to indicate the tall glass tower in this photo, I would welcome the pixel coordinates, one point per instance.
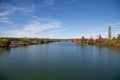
(109, 33)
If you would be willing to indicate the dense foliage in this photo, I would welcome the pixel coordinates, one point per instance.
(14, 42)
(114, 42)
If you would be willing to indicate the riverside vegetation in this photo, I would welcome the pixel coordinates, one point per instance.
(15, 42)
(103, 42)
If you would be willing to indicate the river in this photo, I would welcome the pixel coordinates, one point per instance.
(59, 61)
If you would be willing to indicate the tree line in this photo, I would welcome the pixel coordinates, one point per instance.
(114, 42)
(14, 42)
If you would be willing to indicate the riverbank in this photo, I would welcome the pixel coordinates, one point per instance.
(101, 42)
(16, 42)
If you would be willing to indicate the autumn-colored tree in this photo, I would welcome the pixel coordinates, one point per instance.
(91, 41)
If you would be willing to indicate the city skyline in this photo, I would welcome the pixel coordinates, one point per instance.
(59, 18)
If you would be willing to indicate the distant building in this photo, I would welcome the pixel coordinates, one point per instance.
(94, 36)
(118, 34)
(109, 33)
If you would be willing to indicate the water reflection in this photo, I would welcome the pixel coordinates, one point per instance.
(3, 53)
(60, 61)
(4, 50)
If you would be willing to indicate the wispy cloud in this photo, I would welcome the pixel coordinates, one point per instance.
(4, 13)
(50, 2)
(47, 3)
(113, 24)
(37, 26)
(5, 20)
(32, 29)
(22, 9)
(70, 1)
(7, 9)
(53, 33)
(73, 0)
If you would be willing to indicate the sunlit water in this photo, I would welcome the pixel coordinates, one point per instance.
(59, 61)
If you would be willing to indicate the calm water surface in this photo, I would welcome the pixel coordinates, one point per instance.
(59, 61)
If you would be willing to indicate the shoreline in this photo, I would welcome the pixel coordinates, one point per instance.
(18, 42)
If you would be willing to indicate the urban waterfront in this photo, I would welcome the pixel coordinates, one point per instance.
(59, 61)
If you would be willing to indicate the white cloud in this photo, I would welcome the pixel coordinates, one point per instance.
(5, 20)
(7, 9)
(53, 33)
(32, 29)
(23, 9)
(38, 26)
(13, 33)
(5, 13)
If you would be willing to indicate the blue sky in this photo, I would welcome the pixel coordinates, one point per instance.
(58, 18)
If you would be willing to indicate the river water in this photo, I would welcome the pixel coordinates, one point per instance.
(59, 61)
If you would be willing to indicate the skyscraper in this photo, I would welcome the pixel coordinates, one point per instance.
(109, 33)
